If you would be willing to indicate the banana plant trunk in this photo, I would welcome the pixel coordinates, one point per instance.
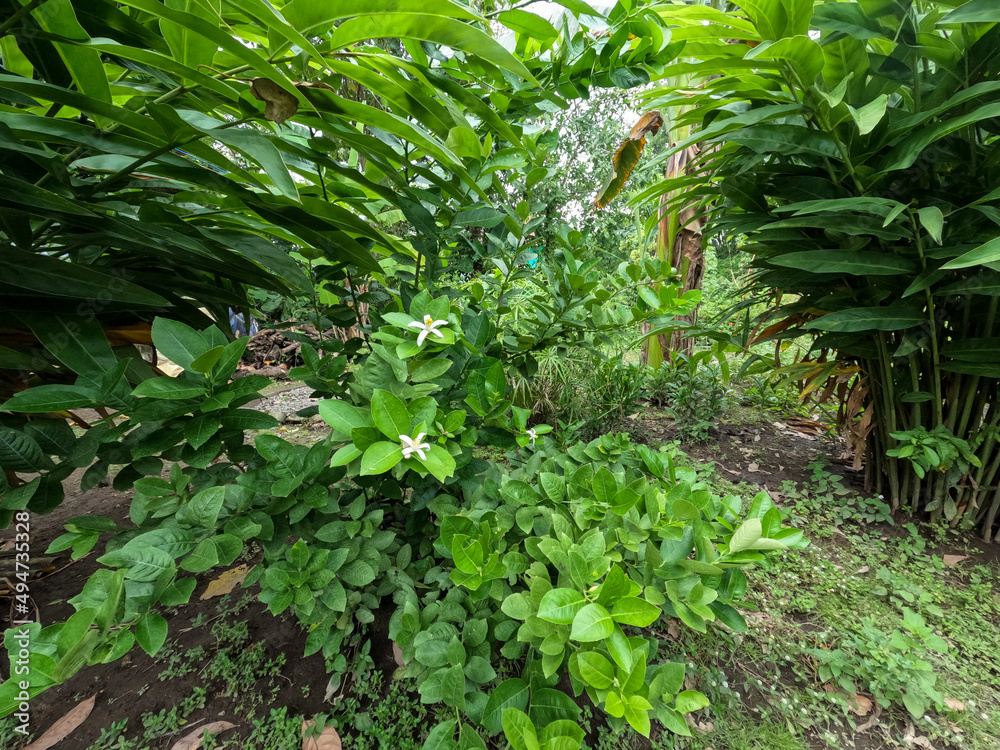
(679, 243)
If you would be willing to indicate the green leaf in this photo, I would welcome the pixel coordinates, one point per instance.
(673, 677)
(77, 342)
(20, 452)
(204, 557)
(380, 457)
(746, 536)
(729, 617)
(988, 252)
(179, 343)
(690, 700)
(179, 592)
(141, 562)
(45, 274)
(548, 705)
(437, 29)
(637, 714)
(605, 486)
(45, 398)
(390, 415)
(932, 220)
(561, 606)
(169, 388)
(634, 611)
(343, 416)
(527, 23)
(517, 606)
(857, 263)
(207, 361)
(151, 632)
(430, 369)
(203, 509)
(519, 730)
(870, 115)
(479, 670)
(868, 319)
(592, 623)
(438, 462)
(976, 11)
(595, 670)
(453, 687)
(672, 721)
(511, 693)
(357, 573)
(478, 217)
(247, 419)
(442, 736)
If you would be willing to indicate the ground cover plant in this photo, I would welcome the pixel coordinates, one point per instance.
(484, 525)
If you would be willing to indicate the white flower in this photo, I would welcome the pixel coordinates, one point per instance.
(532, 434)
(413, 445)
(428, 326)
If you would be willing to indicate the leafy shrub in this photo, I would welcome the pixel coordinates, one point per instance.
(693, 392)
(548, 562)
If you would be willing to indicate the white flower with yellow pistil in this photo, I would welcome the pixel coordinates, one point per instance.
(413, 445)
(428, 327)
(532, 435)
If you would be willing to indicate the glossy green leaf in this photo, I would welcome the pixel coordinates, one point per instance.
(511, 693)
(592, 623)
(561, 605)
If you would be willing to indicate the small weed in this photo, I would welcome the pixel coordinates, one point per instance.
(278, 731)
(9, 738)
(180, 664)
(113, 738)
(893, 667)
(397, 719)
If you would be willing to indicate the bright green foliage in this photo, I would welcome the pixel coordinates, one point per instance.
(858, 166)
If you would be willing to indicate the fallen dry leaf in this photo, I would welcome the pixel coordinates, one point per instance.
(952, 560)
(954, 705)
(702, 727)
(397, 655)
(864, 569)
(871, 720)
(192, 740)
(859, 705)
(65, 726)
(753, 466)
(328, 739)
(226, 582)
(911, 739)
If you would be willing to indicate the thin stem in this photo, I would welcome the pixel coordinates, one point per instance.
(935, 355)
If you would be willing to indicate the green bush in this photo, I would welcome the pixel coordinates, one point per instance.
(693, 391)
